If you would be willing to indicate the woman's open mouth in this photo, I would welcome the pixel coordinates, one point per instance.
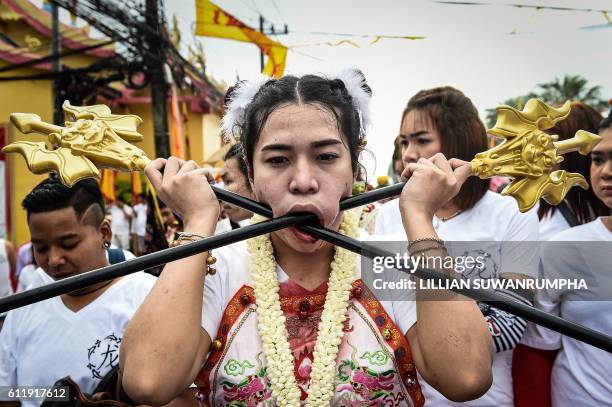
(302, 235)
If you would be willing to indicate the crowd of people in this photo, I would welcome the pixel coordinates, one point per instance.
(288, 319)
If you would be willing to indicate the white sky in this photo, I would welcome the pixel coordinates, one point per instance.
(468, 47)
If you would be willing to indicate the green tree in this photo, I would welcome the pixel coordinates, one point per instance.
(570, 87)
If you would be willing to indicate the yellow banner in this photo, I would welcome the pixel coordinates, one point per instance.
(107, 184)
(176, 133)
(212, 21)
(136, 185)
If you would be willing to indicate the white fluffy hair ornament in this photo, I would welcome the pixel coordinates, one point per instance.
(360, 92)
(240, 98)
(235, 109)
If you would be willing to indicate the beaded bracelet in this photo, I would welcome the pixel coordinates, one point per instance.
(185, 237)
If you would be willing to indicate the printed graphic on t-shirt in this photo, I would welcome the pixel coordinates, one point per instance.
(103, 355)
(486, 268)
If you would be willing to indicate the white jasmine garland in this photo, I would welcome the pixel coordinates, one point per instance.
(270, 318)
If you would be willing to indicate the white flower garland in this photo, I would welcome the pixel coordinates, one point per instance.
(270, 317)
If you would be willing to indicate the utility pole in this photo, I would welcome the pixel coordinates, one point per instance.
(154, 62)
(58, 114)
(261, 56)
(272, 31)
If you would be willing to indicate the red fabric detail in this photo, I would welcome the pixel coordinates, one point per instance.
(531, 371)
(398, 342)
(234, 309)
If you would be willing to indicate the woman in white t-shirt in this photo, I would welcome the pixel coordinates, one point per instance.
(581, 373)
(445, 120)
(579, 206)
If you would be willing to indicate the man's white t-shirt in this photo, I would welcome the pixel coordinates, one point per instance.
(495, 218)
(44, 342)
(140, 223)
(581, 374)
(5, 271)
(32, 276)
(120, 222)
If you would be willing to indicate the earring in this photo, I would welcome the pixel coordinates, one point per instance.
(362, 142)
(106, 244)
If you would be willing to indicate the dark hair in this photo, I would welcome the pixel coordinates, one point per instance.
(584, 205)
(237, 152)
(397, 155)
(51, 195)
(462, 133)
(331, 94)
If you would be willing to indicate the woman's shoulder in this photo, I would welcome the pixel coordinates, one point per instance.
(233, 264)
(510, 223)
(592, 231)
(495, 202)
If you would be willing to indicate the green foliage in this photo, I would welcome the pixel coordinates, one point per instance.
(124, 190)
(570, 87)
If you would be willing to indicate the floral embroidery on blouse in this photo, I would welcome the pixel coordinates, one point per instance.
(252, 390)
(366, 372)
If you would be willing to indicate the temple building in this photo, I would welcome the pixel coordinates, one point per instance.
(97, 75)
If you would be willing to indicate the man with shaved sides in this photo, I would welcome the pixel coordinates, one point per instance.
(76, 334)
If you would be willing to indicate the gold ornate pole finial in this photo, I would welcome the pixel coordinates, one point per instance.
(92, 138)
(529, 155)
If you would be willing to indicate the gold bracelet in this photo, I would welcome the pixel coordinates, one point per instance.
(184, 237)
(426, 249)
(425, 239)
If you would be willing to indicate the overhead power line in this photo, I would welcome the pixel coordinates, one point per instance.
(516, 5)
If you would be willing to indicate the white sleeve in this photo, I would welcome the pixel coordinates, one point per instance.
(535, 335)
(8, 360)
(519, 250)
(384, 219)
(215, 295)
(405, 314)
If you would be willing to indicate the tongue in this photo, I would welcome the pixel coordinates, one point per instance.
(304, 236)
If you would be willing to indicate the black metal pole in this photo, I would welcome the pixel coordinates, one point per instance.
(155, 61)
(58, 114)
(144, 262)
(573, 330)
(261, 54)
(491, 297)
(532, 314)
(345, 204)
